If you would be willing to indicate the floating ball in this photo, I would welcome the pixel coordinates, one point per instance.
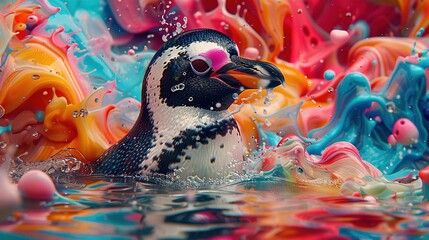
(131, 52)
(36, 185)
(32, 19)
(405, 132)
(329, 75)
(251, 53)
(339, 36)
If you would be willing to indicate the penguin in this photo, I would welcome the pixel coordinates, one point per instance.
(184, 126)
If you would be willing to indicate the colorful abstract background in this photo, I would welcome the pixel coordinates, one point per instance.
(71, 72)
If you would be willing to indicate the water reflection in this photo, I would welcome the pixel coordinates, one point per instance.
(121, 208)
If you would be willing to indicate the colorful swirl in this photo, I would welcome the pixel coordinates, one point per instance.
(71, 74)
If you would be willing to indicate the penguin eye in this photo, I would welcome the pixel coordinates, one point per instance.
(201, 65)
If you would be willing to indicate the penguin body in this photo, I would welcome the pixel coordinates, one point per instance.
(184, 126)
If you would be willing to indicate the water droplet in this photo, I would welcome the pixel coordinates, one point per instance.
(218, 105)
(96, 100)
(75, 114)
(131, 52)
(45, 93)
(330, 89)
(348, 14)
(36, 134)
(264, 111)
(268, 97)
(267, 122)
(390, 107)
(2, 111)
(35, 77)
(3, 145)
(71, 164)
(299, 11)
(178, 87)
(83, 113)
(235, 96)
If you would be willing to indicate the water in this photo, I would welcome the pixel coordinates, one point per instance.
(264, 208)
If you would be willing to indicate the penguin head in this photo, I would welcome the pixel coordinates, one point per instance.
(202, 69)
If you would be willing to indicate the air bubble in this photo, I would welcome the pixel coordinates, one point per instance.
(35, 77)
(390, 107)
(75, 114)
(218, 105)
(83, 113)
(330, 89)
(235, 96)
(3, 145)
(178, 87)
(190, 99)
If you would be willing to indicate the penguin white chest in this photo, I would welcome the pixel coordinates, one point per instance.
(212, 158)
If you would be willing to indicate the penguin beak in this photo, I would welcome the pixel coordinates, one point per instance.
(250, 74)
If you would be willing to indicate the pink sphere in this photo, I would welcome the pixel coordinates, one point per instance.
(339, 36)
(405, 132)
(36, 185)
(391, 140)
(131, 52)
(251, 53)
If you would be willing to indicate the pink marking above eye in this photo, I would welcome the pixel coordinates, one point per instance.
(218, 58)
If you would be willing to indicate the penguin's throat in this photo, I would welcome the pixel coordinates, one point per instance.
(172, 120)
